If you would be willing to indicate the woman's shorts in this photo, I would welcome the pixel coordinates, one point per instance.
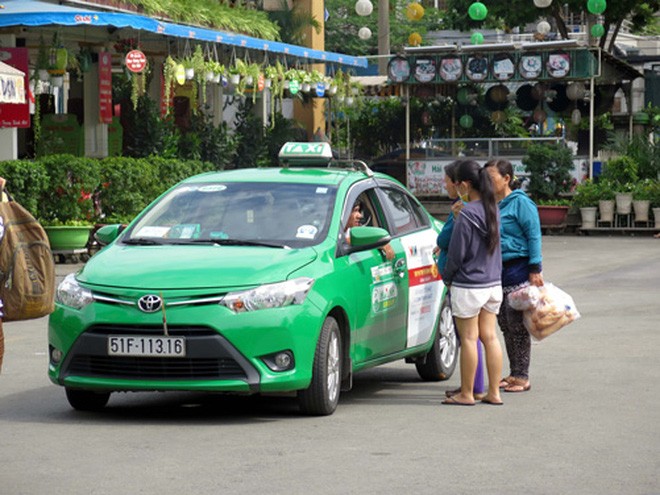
(467, 303)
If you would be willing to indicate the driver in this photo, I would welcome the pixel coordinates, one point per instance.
(355, 219)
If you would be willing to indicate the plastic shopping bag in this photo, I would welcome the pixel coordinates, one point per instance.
(548, 309)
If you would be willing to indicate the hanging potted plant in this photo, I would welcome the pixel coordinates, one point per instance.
(170, 67)
(43, 61)
(237, 71)
(270, 74)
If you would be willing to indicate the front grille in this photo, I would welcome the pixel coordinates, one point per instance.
(209, 356)
(178, 331)
(155, 368)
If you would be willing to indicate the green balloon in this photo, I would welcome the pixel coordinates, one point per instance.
(596, 6)
(462, 96)
(597, 30)
(466, 121)
(477, 38)
(478, 11)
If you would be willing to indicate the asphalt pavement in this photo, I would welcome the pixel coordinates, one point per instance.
(589, 425)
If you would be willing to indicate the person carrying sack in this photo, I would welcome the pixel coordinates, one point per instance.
(27, 271)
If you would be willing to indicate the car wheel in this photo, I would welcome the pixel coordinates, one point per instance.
(322, 396)
(441, 360)
(84, 400)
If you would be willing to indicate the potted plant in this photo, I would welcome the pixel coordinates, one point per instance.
(43, 61)
(623, 172)
(606, 201)
(655, 202)
(586, 197)
(642, 194)
(549, 167)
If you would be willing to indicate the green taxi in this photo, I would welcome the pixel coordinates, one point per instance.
(256, 281)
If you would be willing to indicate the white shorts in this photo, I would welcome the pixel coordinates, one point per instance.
(466, 303)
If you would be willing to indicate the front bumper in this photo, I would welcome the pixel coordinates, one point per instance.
(224, 350)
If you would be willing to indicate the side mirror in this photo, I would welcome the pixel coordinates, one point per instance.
(108, 233)
(365, 238)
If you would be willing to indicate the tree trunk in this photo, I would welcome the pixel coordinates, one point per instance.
(561, 25)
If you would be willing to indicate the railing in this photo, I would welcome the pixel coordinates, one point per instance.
(481, 147)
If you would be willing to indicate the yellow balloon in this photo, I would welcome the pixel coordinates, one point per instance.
(415, 39)
(414, 11)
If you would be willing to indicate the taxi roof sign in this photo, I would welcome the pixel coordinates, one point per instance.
(305, 153)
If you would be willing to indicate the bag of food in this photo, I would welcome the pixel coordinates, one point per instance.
(524, 298)
(554, 310)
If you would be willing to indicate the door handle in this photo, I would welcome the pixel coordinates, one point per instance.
(400, 267)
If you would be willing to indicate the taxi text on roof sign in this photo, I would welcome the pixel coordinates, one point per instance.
(306, 153)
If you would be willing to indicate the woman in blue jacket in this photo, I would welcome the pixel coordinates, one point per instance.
(521, 265)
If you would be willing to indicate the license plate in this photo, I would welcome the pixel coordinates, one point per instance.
(136, 345)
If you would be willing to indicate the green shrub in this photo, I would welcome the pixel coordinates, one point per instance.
(26, 182)
(69, 196)
(587, 194)
(623, 171)
(549, 166)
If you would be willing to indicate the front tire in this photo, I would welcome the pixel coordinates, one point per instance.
(441, 360)
(84, 400)
(322, 396)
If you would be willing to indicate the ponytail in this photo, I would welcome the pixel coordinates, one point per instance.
(490, 208)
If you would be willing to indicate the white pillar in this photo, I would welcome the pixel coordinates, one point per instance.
(8, 135)
(96, 133)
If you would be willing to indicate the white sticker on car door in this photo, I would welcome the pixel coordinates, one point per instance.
(424, 286)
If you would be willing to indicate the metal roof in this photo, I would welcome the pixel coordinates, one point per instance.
(36, 13)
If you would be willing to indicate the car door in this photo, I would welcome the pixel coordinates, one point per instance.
(411, 228)
(377, 291)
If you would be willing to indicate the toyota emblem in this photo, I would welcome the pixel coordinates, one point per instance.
(150, 303)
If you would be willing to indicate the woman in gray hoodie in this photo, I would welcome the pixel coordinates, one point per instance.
(473, 274)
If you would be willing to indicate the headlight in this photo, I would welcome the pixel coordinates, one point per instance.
(70, 293)
(269, 296)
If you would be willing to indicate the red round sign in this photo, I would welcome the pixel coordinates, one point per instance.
(136, 61)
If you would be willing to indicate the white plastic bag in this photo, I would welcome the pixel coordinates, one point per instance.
(554, 310)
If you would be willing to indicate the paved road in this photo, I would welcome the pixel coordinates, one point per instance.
(590, 424)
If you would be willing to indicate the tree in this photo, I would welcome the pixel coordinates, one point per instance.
(293, 21)
(343, 24)
(518, 13)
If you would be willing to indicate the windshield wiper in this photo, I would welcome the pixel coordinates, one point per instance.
(143, 241)
(244, 242)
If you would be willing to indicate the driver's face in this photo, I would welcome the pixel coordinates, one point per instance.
(355, 217)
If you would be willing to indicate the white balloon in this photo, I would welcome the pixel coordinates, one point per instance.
(543, 27)
(364, 7)
(576, 117)
(575, 91)
(542, 4)
(364, 33)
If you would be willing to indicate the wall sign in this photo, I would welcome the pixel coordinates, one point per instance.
(398, 69)
(451, 68)
(476, 68)
(504, 66)
(425, 69)
(559, 64)
(531, 66)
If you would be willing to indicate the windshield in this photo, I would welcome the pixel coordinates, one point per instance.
(238, 213)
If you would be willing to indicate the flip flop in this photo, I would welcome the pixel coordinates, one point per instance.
(451, 401)
(517, 387)
(504, 382)
(456, 391)
(492, 403)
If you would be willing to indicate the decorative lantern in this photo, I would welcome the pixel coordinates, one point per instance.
(415, 39)
(477, 38)
(499, 93)
(575, 91)
(466, 121)
(463, 96)
(576, 117)
(498, 117)
(364, 7)
(596, 6)
(539, 116)
(364, 33)
(478, 11)
(414, 11)
(542, 4)
(597, 30)
(543, 27)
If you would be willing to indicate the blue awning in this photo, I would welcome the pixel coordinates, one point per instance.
(35, 13)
